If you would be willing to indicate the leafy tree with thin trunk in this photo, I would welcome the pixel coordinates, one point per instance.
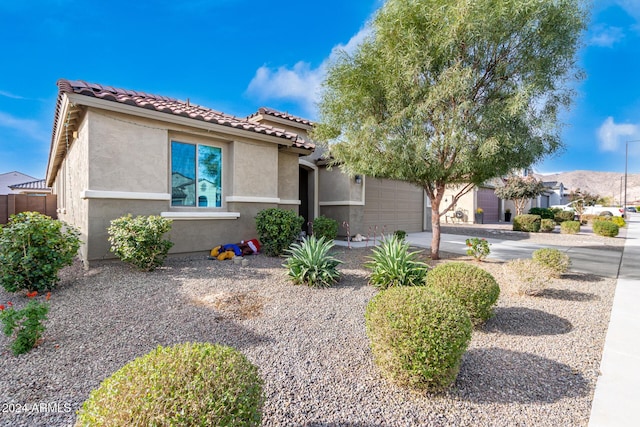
(582, 198)
(450, 93)
(520, 190)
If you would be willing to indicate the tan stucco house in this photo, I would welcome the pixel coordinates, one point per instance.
(116, 151)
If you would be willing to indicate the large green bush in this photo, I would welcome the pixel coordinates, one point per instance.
(309, 263)
(277, 229)
(545, 213)
(605, 228)
(557, 261)
(392, 264)
(138, 241)
(325, 227)
(33, 249)
(527, 223)
(474, 288)
(570, 227)
(192, 384)
(418, 336)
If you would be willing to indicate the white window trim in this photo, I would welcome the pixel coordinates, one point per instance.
(196, 144)
(123, 195)
(200, 215)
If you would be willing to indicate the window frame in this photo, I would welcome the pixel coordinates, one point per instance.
(198, 193)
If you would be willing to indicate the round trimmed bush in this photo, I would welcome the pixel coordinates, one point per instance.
(557, 261)
(474, 288)
(605, 228)
(547, 225)
(277, 229)
(570, 227)
(418, 336)
(191, 384)
(563, 216)
(527, 223)
(325, 227)
(527, 277)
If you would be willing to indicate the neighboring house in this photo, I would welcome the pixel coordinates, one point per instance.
(482, 197)
(13, 178)
(33, 188)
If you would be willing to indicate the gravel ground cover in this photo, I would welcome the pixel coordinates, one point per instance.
(534, 363)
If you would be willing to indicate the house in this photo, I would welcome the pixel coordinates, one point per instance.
(115, 151)
(33, 188)
(13, 178)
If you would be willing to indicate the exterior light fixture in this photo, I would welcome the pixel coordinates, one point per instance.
(358, 179)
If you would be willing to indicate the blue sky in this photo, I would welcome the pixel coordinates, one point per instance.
(237, 55)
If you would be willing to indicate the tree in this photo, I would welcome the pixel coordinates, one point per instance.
(520, 190)
(452, 92)
(582, 198)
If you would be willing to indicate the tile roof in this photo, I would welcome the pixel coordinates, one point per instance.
(176, 107)
(271, 112)
(32, 185)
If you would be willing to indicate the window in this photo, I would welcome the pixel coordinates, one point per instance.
(196, 175)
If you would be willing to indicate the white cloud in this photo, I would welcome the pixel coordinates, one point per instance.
(10, 95)
(30, 128)
(302, 83)
(611, 135)
(606, 36)
(632, 7)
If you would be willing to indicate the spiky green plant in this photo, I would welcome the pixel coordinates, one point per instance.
(309, 263)
(393, 265)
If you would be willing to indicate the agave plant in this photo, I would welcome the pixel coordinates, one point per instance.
(309, 263)
(393, 265)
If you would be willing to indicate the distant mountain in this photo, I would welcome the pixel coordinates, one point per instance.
(604, 184)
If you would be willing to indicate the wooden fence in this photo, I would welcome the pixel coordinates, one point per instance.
(15, 203)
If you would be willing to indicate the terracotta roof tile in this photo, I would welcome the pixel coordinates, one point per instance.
(176, 107)
(275, 113)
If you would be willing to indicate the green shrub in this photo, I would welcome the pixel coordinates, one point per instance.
(605, 228)
(325, 227)
(527, 223)
(309, 263)
(478, 248)
(191, 384)
(400, 234)
(25, 325)
(547, 225)
(417, 336)
(474, 288)
(392, 265)
(138, 241)
(563, 216)
(33, 249)
(528, 277)
(557, 261)
(619, 221)
(277, 229)
(544, 213)
(570, 227)
(588, 218)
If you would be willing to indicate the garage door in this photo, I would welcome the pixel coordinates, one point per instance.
(490, 204)
(396, 205)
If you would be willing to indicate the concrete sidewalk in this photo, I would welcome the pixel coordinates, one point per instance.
(616, 401)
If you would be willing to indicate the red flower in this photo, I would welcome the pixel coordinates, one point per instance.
(48, 297)
(1, 307)
(9, 304)
(32, 294)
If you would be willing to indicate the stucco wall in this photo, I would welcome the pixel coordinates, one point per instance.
(127, 154)
(255, 169)
(288, 176)
(466, 204)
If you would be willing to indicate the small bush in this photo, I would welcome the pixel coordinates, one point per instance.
(605, 228)
(309, 263)
(570, 227)
(418, 336)
(33, 249)
(25, 325)
(528, 277)
(619, 221)
(478, 248)
(563, 216)
(392, 265)
(547, 225)
(325, 227)
(138, 241)
(192, 384)
(545, 213)
(527, 223)
(588, 218)
(557, 261)
(400, 234)
(277, 229)
(474, 288)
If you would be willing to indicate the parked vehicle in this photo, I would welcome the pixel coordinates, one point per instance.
(631, 209)
(603, 210)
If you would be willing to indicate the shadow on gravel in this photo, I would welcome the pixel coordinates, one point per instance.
(567, 295)
(527, 322)
(583, 277)
(495, 375)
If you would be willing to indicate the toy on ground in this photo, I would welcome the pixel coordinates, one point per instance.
(229, 251)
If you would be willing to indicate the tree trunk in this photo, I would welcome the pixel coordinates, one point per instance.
(435, 231)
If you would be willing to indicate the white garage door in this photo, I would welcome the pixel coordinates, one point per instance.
(490, 204)
(395, 205)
